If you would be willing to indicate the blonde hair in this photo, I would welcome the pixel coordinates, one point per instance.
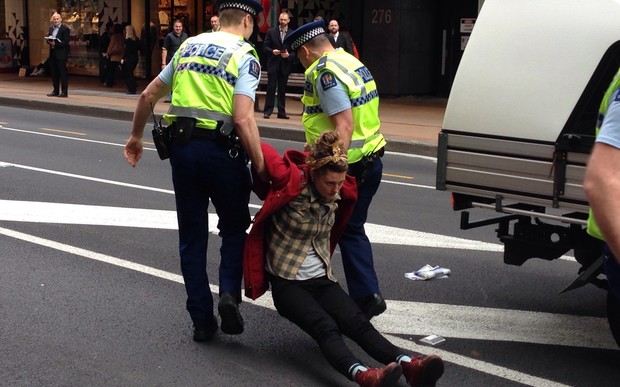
(328, 153)
(130, 32)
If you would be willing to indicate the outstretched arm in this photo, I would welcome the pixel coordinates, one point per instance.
(149, 97)
(247, 130)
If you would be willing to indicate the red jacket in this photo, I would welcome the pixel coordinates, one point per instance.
(289, 174)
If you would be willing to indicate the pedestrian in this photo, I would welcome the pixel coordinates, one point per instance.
(172, 42)
(292, 239)
(41, 69)
(207, 164)
(341, 95)
(114, 54)
(104, 43)
(215, 24)
(601, 185)
(340, 39)
(58, 41)
(131, 54)
(279, 65)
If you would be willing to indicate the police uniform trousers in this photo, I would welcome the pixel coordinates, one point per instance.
(611, 268)
(202, 170)
(357, 258)
(326, 312)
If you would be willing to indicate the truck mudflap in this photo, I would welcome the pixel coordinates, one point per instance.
(587, 276)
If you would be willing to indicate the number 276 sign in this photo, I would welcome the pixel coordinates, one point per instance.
(467, 25)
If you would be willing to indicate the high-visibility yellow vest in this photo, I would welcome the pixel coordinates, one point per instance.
(206, 68)
(593, 228)
(362, 89)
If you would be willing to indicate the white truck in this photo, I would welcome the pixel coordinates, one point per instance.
(520, 121)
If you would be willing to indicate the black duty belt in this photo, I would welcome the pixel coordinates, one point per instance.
(205, 134)
(360, 168)
(370, 157)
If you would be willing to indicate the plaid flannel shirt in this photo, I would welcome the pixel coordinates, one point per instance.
(306, 220)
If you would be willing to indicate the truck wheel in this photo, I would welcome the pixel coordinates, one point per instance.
(613, 316)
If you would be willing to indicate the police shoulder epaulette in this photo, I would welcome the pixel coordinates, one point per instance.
(322, 63)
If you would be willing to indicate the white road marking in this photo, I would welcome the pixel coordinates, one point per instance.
(479, 365)
(461, 321)
(376, 233)
(429, 158)
(450, 321)
(401, 236)
(88, 178)
(408, 184)
(481, 323)
(65, 137)
(62, 213)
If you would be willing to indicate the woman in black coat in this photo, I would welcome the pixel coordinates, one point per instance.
(130, 58)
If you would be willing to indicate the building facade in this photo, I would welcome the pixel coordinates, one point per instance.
(412, 47)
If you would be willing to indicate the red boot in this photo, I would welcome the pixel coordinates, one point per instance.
(423, 370)
(379, 377)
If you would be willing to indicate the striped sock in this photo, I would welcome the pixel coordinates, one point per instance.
(402, 358)
(355, 368)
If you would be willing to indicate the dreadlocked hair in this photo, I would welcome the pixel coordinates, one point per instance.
(328, 154)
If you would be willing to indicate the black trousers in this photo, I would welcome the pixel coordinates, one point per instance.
(111, 69)
(128, 68)
(58, 69)
(276, 81)
(326, 312)
(103, 64)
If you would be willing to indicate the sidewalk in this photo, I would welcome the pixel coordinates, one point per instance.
(410, 124)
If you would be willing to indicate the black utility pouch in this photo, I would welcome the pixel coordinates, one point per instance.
(360, 169)
(162, 139)
(184, 129)
(225, 129)
(231, 140)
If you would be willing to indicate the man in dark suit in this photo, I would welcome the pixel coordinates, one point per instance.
(279, 64)
(58, 40)
(338, 38)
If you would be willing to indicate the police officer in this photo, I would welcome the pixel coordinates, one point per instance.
(213, 78)
(341, 95)
(602, 184)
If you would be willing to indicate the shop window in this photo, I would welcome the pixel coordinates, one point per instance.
(171, 10)
(82, 18)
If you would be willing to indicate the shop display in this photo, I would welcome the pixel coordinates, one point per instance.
(82, 18)
(169, 11)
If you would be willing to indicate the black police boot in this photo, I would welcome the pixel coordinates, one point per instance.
(204, 332)
(232, 322)
(372, 305)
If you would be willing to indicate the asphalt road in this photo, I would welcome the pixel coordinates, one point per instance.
(91, 293)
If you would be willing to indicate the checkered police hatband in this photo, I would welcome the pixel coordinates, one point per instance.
(306, 36)
(244, 7)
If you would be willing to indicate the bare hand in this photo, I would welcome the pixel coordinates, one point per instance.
(133, 150)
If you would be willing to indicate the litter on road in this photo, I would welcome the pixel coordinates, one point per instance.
(428, 272)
